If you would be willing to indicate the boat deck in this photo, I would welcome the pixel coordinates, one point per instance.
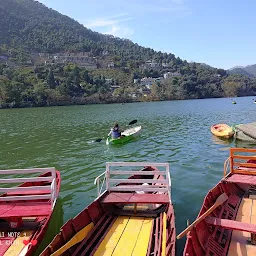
(239, 242)
(127, 236)
(24, 209)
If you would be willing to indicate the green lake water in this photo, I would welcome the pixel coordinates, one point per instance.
(177, 132)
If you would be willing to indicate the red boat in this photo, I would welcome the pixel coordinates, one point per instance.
(132, 215)
(25, 210)
(226, 224)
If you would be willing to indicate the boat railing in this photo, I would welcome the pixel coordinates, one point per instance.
(115, 181)
(47, 190)
(241, 161)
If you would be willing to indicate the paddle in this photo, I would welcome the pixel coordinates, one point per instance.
(77, 238)
(132, 122)
(220, 200)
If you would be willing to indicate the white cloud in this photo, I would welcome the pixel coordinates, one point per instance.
(123, 32)
(112, 25)
(107, 21)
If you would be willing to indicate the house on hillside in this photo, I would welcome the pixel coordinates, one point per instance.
(171, 74)
(111, 64)
(165, 65)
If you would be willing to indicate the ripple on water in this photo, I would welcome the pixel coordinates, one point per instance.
(177, 132)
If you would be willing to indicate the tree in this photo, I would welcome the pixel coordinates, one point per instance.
(50, 79)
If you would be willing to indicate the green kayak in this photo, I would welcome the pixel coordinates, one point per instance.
(127, 135)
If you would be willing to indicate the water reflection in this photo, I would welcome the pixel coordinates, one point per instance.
(54, 226)
(244, 144)
(221, 141)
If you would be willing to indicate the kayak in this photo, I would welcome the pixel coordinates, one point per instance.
(222, 130)
(126, 135)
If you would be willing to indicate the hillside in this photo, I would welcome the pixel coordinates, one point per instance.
(249, 70)
(240, 71)
(35, 27)
(47, 58)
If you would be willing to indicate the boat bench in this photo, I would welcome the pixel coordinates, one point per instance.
(134, 198)
(24, 209)
(231, 224)
(241, 178)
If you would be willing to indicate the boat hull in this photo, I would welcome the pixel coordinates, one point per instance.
(32, 228)
(126, 136)
(116, 225)
(222, 131)
(226, 230)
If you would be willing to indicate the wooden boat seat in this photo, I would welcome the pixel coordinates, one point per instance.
(134, 198)
(241, 178)
(31, 192)
(231, 224)
(24, 209)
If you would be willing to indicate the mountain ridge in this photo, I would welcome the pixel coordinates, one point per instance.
(248, 70)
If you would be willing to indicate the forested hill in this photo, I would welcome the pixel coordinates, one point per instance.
(33, 26)
(47, 58)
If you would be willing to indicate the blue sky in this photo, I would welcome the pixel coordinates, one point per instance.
(220, 33)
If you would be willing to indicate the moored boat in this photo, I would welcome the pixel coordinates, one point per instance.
(133, 215)
(126, 136)
(226, 223)
(245, 132)
(25, 211)
(222, 130)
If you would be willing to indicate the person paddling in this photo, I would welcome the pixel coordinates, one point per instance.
(115, 132)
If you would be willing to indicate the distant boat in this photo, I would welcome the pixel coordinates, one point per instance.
(233, 102)
(222, 130)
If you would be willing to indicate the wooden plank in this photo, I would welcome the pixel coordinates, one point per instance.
(128, 240)
(110, 241)
(23, 171)
(22, 180)
(22, 198)
(32, 192)
(233, 150)
(241, 178)
(143, 164)
(231, 224)
(126, 198)
(127, 188)
(244, 157)
(25, 189)
(249, 165)
(155, 181)
(142, 242)
(239, 245)
(138, 172)
(164, 235)
(17, 245)
(25, 209)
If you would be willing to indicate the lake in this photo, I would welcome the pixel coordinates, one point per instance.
(177, 132)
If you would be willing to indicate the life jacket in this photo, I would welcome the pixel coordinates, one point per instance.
(115, 133)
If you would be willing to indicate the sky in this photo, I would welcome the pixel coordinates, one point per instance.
(220, 33)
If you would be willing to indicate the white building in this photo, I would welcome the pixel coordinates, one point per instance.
(170, 74)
